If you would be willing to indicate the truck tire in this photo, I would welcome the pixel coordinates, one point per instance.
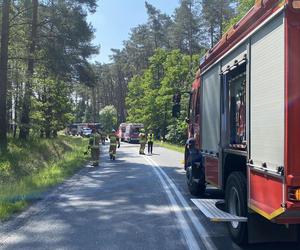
(196, 187)
(236, 203)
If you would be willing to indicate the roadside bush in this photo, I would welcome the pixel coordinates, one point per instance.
(177, 132)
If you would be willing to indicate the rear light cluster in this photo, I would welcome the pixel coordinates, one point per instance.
(294, 193)
(296, 4)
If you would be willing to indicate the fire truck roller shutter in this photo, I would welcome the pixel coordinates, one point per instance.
(267, 95)
(211, 84)
(236, 56)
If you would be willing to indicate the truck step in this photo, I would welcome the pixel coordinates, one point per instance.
(209, 208)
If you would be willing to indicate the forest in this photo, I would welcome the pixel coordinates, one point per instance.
(47, 79)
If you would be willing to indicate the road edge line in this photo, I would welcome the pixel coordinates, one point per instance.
(187, 232)
(199, 228)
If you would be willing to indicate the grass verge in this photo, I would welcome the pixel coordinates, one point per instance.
(29, 168)
(178, 148)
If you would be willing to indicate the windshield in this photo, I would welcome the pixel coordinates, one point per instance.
(135, 130)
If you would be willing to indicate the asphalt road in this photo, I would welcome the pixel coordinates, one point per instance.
(135, 202)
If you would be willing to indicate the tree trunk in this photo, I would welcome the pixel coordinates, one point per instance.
(48, 133)
(3, 72)
(94, 104)
(165, 123)
(54, 133)
(26, 106)
(17, 100)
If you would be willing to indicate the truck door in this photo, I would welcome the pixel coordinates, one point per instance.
(267, 120)
(210, 123)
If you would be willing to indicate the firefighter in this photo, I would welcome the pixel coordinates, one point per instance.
(150, 139)
(103, 136)
(114, 140)
(94, 147)
(143, 140)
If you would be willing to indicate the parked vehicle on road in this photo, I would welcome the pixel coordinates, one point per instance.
(86, 132)
(244, 125)
(72, 129)
(77, 128)
(132, 132)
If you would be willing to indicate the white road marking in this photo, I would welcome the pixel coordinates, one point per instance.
(188, 234)
(197, 224)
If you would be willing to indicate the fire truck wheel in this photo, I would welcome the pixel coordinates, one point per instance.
(196, 186)
(236, 203)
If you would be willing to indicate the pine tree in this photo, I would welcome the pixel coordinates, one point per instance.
(3, 72)
(26, 106)
(216, 13)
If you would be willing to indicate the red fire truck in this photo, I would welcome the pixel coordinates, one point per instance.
(244, 125)
(132, 132)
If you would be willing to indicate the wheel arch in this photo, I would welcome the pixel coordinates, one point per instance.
(234, 163)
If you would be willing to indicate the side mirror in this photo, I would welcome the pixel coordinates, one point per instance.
(187, 120)
(176, 105)
(176, 110)
(177, 98)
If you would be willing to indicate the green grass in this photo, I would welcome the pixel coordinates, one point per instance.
(178, 148)
(7, 209)
(29, 168)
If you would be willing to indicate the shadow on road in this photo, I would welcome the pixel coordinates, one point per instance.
(119, 205)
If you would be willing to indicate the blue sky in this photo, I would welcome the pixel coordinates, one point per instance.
(114, 19)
